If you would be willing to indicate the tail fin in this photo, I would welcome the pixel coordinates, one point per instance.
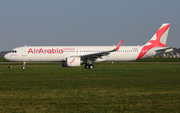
(158, 40)
(160, 37)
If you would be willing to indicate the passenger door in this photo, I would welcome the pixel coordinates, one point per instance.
(23, 51)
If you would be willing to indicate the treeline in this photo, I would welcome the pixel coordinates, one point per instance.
(158, 59)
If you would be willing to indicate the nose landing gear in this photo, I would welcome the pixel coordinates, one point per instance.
(24, 65)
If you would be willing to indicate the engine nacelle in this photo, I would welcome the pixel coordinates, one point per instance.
(72, 62)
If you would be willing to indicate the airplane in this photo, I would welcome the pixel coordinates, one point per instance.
(75, 56)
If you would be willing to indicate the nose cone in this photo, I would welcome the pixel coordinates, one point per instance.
(7, 56)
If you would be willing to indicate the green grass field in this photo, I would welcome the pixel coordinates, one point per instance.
(108, 88)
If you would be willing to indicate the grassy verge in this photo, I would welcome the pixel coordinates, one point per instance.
(118, 87)
(156, 59)
(2, 59)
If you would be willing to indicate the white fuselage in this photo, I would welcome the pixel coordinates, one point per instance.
(60, 53)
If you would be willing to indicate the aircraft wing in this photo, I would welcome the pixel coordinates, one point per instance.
(94, 56)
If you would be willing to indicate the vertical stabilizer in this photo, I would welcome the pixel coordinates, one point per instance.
(160, 37)
(158, 40)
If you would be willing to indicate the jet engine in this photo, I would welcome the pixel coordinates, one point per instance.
(72, 62)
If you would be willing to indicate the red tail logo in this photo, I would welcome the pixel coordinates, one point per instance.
(154, 43)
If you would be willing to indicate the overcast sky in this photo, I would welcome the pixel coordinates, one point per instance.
(86, 22)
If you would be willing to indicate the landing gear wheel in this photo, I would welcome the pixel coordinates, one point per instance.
(91, 66)
(86, 66)
(23, 67)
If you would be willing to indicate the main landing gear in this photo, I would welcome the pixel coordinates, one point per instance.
(89, 66)
(24, 65)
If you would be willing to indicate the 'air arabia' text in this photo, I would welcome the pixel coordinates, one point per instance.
(48, 51)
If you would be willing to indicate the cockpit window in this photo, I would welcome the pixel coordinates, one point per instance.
(13, 51)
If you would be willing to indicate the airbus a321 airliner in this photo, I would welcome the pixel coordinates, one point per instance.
(75, 56)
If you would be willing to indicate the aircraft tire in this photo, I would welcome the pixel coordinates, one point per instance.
(91, 66)
(23, 67)
(86, 66)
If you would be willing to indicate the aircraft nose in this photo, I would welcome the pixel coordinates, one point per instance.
(6, 56)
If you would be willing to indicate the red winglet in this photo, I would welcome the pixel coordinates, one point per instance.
(118, 46)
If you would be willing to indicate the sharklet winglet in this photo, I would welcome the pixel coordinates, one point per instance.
(118, 46)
